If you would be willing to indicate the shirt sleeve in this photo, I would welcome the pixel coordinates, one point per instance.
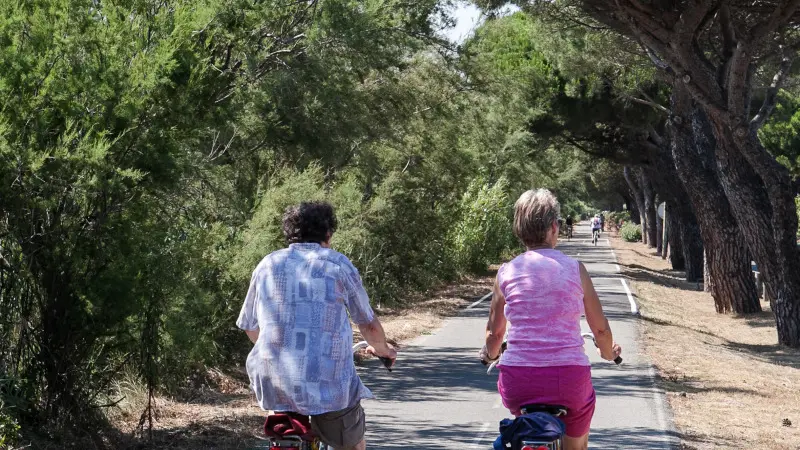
(248, 319)
(356, 298)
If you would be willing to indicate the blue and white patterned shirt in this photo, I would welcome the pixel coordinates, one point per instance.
(299, 299)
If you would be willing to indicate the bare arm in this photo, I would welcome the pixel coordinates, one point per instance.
(252, 334)
(374, 335)
(496, 327)
(597, 319)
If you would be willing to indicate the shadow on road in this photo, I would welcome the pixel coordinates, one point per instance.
(429, 375)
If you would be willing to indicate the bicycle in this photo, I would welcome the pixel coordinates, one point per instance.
(595, 235)
(550, 439)
(569, 232)
(292, 431)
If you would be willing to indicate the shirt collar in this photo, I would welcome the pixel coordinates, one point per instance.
(305, 246)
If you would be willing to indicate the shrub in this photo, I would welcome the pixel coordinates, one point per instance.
(615, 217)
(9, 428)
(484, 230)
(631, 232)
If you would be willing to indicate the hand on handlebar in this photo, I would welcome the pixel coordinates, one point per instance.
(388, 356)
(616, 350)
(485, 358)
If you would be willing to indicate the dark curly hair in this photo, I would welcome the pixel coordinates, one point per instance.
(309, 222)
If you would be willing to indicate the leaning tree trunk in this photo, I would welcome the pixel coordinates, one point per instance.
(649, 206)
(636, 191)
(731, 280)
(762, 207)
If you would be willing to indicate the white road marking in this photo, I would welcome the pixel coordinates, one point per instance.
(634, 306)
(661, 407)
(480, 300)
(481, 435)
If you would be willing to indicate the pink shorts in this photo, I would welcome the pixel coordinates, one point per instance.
(569, 386)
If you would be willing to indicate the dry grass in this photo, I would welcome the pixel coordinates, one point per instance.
(728, 382)
(426, 311)
(218, 410)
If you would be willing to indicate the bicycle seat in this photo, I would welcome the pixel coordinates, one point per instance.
(288, 424)
(553, 410)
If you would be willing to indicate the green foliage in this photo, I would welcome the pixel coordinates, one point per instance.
(148, 151)
(484, 230)
(9, 428)
(781, 135)
(615, 217)
(631, 232)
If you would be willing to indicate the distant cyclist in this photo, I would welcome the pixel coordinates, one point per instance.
(543, 294)
(570, 223)
(602, 222)
(596, 224)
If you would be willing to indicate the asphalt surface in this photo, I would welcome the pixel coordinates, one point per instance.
(440, 397)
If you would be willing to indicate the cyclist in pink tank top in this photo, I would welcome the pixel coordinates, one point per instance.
(541, 294)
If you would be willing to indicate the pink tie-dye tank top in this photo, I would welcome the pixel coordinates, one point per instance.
(544, 304)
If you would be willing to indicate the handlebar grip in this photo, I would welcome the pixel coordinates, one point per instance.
(618, 360)
(387, 362)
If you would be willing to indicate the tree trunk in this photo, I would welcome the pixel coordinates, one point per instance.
(676, 257)
(659, 232)
(632, 179)
(665, 243)
(707, 282)
(772, 245)
(692, 250)
(649, 206)
(662, 176)
(730, 277)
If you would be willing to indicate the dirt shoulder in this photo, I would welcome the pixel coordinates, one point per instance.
(220, 411)
(728, 382)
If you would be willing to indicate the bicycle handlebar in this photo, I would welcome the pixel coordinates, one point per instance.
(617, 360)
(387, 362)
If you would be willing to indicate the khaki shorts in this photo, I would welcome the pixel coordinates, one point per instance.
(341, 429)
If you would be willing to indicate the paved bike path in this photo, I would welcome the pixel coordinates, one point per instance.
(440, 397)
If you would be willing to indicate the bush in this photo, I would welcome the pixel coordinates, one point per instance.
(631, 232)
(9, 428)
(615, 217)
(484, 230)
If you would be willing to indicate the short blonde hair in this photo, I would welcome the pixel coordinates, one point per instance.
(534, 214)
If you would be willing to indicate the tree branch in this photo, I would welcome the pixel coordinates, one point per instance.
(771, 96)
(780, 15)
(656, 106)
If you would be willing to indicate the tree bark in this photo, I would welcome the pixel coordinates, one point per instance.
(659, 231)
(676, 255)
(731, 281)
(632, 179)
(707, 282)
(649, 206)
(692, 250)
(665, 243)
